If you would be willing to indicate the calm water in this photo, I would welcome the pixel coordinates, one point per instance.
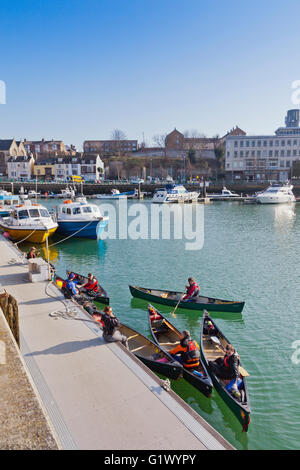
(250, 253)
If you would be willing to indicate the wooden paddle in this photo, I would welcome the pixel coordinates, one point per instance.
(180, 299)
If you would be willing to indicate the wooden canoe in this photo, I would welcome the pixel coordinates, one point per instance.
(148, 352)
(200, 302)
(60, 282)
(166, 335)
(212, 346)
(101, 295)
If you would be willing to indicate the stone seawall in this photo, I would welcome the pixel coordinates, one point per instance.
(90, 189)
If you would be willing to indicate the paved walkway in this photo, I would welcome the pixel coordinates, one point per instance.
(97, 395)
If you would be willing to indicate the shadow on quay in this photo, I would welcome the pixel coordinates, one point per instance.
(67, 348)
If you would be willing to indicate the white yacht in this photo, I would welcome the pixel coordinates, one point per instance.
(174, 193)
(276, 194)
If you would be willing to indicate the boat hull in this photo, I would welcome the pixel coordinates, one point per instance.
(82, 229)
(274, 200)
(217, 305)
(98, 301)
(37, 236)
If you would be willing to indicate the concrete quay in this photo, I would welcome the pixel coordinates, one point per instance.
(95, 395)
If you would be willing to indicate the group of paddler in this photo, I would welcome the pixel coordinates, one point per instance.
(187, 352)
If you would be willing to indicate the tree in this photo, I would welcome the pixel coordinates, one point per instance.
(160, 141)
(118, 136)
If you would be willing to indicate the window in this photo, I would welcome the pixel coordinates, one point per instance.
(76, 210)
(235, 154)
(276, 153)
(44, 213)
(282, 153)
(34, 213)
(235, 143)
(288, 164)
(253, 143)
(241, 154)
(265, 143)
(283, 143)
(270, 153)
(295, 142)
(86, 209)
(23, 215)
(271, 143)
(276, 143)
(288, 153)
(258, 153)
(258, 143)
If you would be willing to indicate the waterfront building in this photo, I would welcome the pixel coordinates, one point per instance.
(44, 147)
(9, 148)
(89, 167)
(110, 147)
(44, 170)
(92, 168)
(264, 157)
(20, 168)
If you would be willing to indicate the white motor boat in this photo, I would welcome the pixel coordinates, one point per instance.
(225, 194)
(80, 219)
(173, 193)
(33, 194)
(115, 194)
(276, 194)
(30, 222)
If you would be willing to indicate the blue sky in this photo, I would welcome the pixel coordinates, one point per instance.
(77, 69)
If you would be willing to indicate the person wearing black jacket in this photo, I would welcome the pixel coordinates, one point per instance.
(227, 368)
(110, 327)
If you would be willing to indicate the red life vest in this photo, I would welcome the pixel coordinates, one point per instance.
(92, 285)
(226, 361)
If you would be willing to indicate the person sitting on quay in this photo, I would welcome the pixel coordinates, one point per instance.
(32, 253)
(187, 352)
(111, 326)
(91, 287)
(192, 290)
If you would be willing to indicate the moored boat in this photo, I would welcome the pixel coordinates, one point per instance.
(30, 222)
(99, 298)
(276, 194)
(152, 355)
(212, 346)
(167, 336)
(80, 219)
(115, 194)
(174, 193)
(200, 302)
(7, 203)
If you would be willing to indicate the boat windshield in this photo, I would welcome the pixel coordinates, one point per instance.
(34, 213)
(44, 213)
(23, 214)
(76, 210)
(86, 209)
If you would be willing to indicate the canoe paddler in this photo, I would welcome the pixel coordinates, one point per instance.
(192, 289)
(188, 351)
(227, 368)
(91, 287)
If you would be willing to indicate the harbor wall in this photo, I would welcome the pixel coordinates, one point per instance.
(90, 188)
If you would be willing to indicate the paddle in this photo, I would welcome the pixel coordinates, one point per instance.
(180, 299)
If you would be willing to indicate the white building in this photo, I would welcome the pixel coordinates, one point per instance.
(65, 167)
(265, 157)
(92, 168)
(89, 167)
(20, 168)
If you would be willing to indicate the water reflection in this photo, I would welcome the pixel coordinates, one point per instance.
(284, 216)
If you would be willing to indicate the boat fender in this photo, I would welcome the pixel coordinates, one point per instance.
(198, 374)
(68, 201)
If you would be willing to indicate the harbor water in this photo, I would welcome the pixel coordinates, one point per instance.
(250, 253)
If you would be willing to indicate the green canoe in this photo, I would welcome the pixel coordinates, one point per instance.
(212, 347)
(200, 302)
